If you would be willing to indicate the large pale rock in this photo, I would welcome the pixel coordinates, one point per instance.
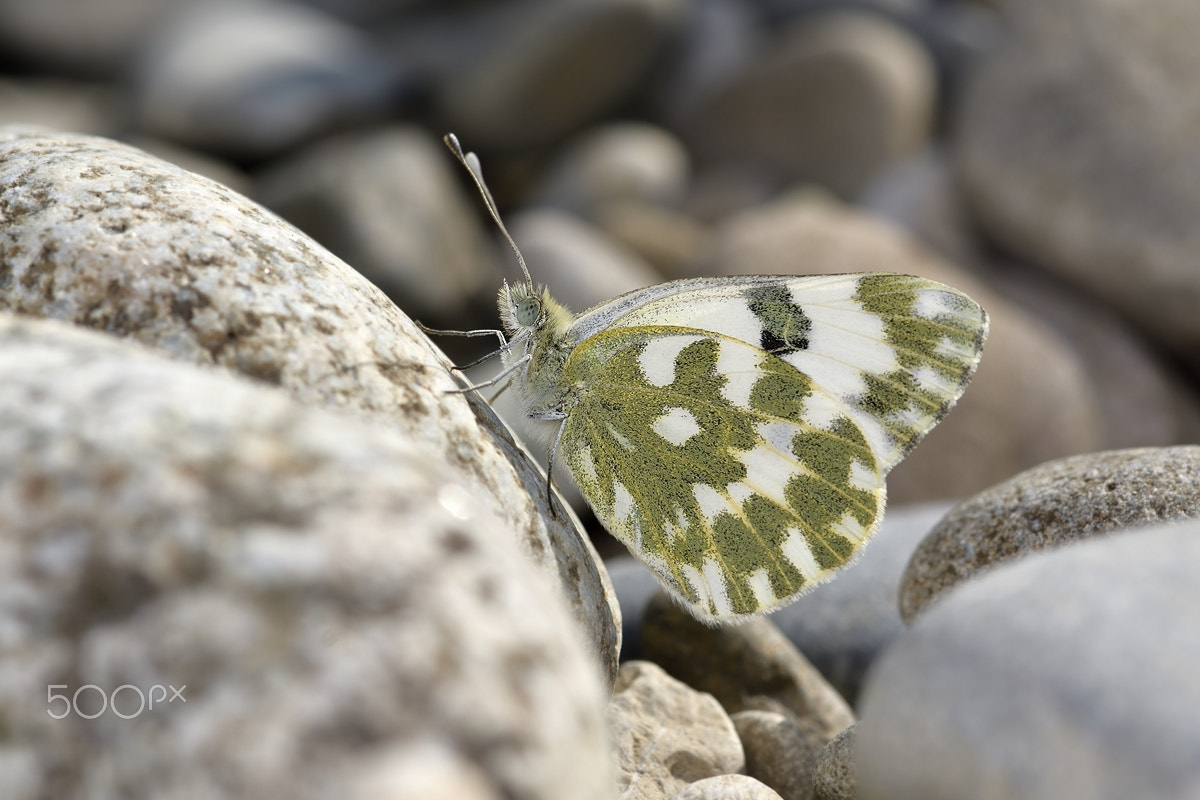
(100, 234)
(1048, 506)
(341, 611)
(1070, 673)
(1076, 148)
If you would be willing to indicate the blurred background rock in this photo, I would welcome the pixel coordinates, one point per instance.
(1045, 166)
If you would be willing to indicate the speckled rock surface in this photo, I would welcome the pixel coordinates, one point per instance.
(336, 605)
(666, 734)
(1070, 673)
(1050, 505)
(833, 774)
(738, 665)
(100, 234)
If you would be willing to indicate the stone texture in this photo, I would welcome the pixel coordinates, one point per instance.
(667, 735)
(777, 753)
(1070, 673)
(334, 600)
(391, 204)
(833, 775)
(842, 625)
(1017, 412)
(830, 99)
(1075, 147)
(102, 235)
(739, 664)
(253, 79)
(1050, 505)
(726, 787)
(544, 68)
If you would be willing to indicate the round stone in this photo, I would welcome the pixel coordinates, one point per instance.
(1050, 505)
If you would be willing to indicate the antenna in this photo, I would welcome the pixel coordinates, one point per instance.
(471, 162)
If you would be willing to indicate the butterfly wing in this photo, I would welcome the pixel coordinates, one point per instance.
(735, 434)
(897, 350)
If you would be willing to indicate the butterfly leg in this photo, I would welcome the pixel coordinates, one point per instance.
(552, 415)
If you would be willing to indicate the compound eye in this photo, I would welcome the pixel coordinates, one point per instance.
(528, 311)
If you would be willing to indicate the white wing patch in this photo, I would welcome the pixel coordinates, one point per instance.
(767, 472)
(677, 425)
(796, 550)
(711, 502)
(657, 358)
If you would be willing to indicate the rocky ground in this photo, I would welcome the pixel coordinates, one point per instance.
(233, 469)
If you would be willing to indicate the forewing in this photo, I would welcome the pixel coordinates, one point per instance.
(729, 472)
(895, 351)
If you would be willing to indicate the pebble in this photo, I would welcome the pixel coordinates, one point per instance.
(666, 734)
(621, 162)
(103, 235)
(390, 203)
(833, 773)
(1017, 412)
(1050, 505)
(1072, 146)
(175, 526)
(726, 787)
(83, 107)
(97, 39)
(831, 99)
(1069, 673)
(740, 664)
(777, 752)
(546, 69)
(254, 79)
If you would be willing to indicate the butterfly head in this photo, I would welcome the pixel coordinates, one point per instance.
(526, 309)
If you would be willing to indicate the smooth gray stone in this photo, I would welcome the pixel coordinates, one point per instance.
(1070, 673)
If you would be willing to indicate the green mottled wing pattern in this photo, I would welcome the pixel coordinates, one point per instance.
(735, 434)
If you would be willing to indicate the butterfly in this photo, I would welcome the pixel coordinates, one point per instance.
(734, 433)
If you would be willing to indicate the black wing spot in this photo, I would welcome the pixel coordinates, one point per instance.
(785, 326)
